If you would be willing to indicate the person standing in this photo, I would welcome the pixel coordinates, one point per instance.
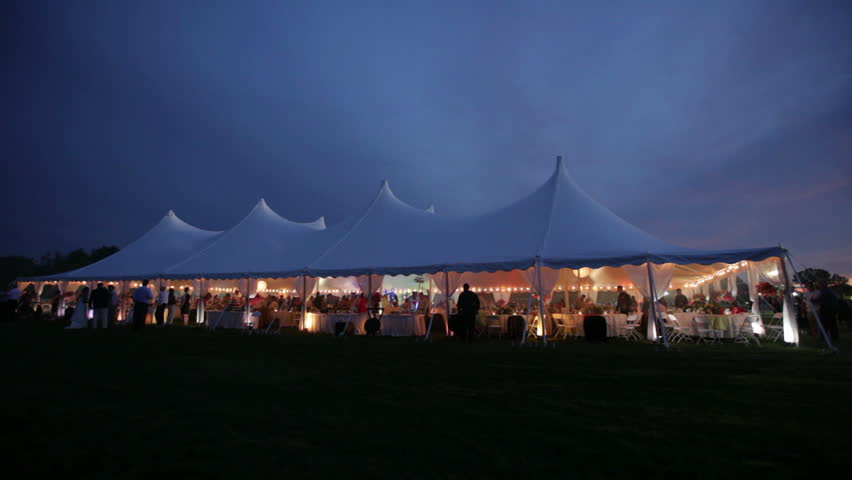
(80, 318)
(826, 302)
(100, 304)
(162, 304)
(468, 306)
(142, 298)
(623, 302)
(681, 301)
(172, 307)
(185, 305)
(113, 305)
(13, 296)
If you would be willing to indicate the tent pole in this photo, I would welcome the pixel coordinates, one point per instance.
(447, 298)
(304, 302)
(61, 310)
(653, 306)
(247, 312)
(527, 317)
(541, 302)
(429, 310)
(807, 299)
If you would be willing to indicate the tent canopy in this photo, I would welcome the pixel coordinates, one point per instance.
(558, 225)
(168, 242)
(258, 241)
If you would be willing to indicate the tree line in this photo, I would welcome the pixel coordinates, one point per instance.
(12, 267)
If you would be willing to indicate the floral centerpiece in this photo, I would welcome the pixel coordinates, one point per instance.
(509, 309)
(593, 309)
(714, 308)
(766, 289)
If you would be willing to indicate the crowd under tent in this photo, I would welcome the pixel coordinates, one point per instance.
(554, 241)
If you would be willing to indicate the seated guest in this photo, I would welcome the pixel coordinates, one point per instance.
(736, 308)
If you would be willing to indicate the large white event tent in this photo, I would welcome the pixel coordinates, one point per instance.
(551, 237)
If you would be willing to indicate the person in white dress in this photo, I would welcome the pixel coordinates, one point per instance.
(80, 319)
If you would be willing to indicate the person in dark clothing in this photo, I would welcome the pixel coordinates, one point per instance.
(623, 302)
(826, 305)
(468, 306)
(172, 307)
(680, 300)
(185, 305)
(100, 300)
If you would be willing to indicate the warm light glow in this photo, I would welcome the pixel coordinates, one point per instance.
(261, 285)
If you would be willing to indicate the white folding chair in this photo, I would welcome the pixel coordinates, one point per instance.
(677, 333)
(532, 328)
(628, 330)
(775, 328)
(562, 328)
(705, 333)
(746, 331)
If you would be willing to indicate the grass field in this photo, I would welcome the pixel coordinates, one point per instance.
(184, 401)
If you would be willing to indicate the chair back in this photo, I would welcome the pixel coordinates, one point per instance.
(632, 319)
(672, 318)
(493, 321)
(701, 321)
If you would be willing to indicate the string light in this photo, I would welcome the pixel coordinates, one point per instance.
(720, 273)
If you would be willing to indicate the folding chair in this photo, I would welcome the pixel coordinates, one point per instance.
(676, 332)
(628, 330)
(493, 325)
(562, 328)
(745, 334)
(705, 333)
(532, 328)
(775, 328)
(480, 325)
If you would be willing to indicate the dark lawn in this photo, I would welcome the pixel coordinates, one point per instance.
(85, 403)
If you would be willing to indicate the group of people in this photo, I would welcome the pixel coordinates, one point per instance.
(102, 301)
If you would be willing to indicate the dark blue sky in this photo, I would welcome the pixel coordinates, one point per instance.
(709, 124)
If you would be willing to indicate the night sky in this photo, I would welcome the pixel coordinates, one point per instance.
(709, 124)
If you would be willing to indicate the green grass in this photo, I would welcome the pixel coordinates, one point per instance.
(105, 403)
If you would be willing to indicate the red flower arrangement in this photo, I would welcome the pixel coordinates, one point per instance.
(766, 289)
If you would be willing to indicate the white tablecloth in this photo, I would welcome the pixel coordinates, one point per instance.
(403, 325)
(224, 319)
(728, 324)
(395, 325)
(325, 322)
(614, 321)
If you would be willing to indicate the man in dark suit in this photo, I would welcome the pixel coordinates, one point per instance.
(468, 306)
(623, 303)
(680, 300)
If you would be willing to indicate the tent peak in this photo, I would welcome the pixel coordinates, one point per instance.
(171, 213)
(431, 208)
(319, 223)
(262, 202)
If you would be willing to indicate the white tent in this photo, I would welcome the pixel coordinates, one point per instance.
(559, 225)
(253, 245)
(168, 242)
(555, 228)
